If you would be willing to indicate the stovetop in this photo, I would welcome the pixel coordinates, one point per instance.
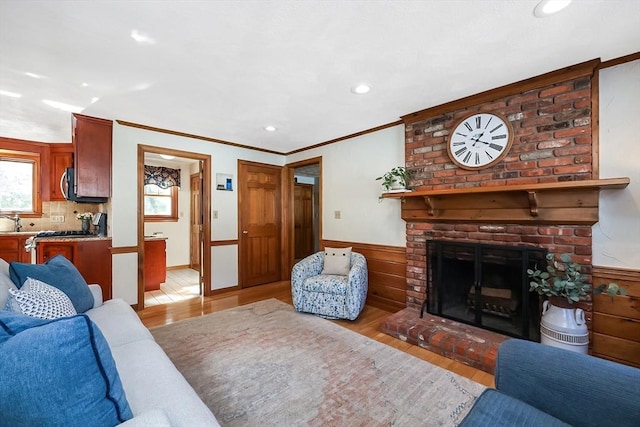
(64, 233)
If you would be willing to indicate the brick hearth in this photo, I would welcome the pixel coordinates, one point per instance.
(467, 344)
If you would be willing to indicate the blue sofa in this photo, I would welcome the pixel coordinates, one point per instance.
(538, 385)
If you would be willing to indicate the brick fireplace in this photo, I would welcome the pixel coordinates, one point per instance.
(554, 142)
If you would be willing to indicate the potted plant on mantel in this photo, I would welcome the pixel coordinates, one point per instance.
(563, 284)
(395, 180)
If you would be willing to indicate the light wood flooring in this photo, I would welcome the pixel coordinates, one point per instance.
(180, 285)
(367, 324)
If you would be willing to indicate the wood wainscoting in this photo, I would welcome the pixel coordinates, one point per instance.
(387, 267)
(616, 324)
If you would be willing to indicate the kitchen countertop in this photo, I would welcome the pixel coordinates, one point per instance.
(67, 239)
(70, 239)
(147, 238)
(17, 233)
(85, 238)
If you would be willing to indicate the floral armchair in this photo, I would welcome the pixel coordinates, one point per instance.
(329, 295)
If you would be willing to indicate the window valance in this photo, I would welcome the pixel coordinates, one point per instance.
(161, 176)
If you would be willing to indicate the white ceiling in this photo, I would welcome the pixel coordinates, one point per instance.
(225, 69)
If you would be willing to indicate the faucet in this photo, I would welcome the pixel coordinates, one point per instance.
(16, 221)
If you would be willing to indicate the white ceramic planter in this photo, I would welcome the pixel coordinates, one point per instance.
(564, 328)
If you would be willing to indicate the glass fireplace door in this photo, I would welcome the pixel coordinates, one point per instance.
(484, 285)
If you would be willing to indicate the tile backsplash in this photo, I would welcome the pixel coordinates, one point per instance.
(66, 210)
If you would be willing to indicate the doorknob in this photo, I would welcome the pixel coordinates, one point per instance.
(245, 232)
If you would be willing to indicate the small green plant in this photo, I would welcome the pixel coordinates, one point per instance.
(563, 279)
(397, 177)
(612, 289)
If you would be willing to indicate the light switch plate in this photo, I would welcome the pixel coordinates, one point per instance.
(57, 218)
(336, 214)
(215, 214)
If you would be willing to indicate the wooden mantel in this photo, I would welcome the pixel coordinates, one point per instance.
(559, 203)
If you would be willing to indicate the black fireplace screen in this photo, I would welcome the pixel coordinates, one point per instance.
(484, 285)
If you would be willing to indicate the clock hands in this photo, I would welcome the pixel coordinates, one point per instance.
(477, 139)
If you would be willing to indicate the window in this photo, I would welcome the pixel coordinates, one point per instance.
(19, 178)
(161, 185)
(160, 204)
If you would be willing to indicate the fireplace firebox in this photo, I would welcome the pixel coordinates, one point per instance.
(484, 285)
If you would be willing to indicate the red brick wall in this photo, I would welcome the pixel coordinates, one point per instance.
(552, 143)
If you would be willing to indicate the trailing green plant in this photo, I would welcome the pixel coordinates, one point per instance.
(396, 177)
(611, 289)
(563, 279)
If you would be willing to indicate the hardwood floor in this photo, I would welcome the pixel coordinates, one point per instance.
(367, 323)
(180, 285)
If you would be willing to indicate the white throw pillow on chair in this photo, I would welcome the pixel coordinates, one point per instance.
(337, 261)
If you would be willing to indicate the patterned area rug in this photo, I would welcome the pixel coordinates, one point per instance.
(264, 364)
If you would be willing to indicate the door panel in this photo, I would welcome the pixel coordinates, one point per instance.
(260, 223)
(303, 220)
(196, 214)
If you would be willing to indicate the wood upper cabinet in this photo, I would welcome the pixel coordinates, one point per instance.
(12, 248)
(92, 163)
(61, 159)
(92, 258)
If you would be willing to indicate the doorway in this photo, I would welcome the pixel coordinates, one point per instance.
(305, 179)
(303, 214)
(200, 209)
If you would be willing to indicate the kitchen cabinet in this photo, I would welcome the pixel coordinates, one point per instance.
(91, 256)
(47, 250)
(61, 159)
(155, 263)
(92, 139)
(12, 248)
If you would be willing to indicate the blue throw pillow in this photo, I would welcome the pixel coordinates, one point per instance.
(12, 323)
(58, 372)
(58, 272)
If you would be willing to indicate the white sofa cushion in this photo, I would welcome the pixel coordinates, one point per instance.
(5, 283)
(96, 291)
(152, 381)
(119, 323)
(153, 418)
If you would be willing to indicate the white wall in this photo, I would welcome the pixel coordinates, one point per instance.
(124, 207)
(616, 238)
(349, 170)
(349, 186)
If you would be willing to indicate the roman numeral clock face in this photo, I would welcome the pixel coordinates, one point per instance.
(480, 140)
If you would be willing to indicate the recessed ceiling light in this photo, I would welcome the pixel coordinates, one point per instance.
(549, 7)
(270, 128)
(360, 89)
(62, 106)
(85, 84)
(167, 156)
(11, 94)
(34, 75)
(141, 37)
(94, 99)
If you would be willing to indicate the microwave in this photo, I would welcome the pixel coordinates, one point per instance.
(68, 190)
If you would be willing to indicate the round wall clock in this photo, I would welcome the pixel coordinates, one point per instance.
(480, 140)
